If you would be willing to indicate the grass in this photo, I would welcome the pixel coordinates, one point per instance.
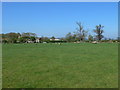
(68, 65)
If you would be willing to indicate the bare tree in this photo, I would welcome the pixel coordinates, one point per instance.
(99, 32)
(81, 33)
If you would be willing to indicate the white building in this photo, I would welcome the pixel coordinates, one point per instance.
(37, 40)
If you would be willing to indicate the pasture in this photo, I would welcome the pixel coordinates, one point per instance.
(69, 65)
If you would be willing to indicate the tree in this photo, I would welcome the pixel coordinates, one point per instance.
(53, 38)
(28, 36)
(81, 33)
(74, 37)
(90, 38)
(22, 40)
(62, 39)
(99, 32)
(69, 37)
(44, 39)
(4, 41)
(12, 37)
(32, 38)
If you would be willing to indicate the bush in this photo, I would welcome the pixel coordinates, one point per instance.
(4, 41)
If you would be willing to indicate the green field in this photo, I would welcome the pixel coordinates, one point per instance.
(68, 65)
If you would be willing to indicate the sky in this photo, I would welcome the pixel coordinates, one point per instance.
(58, 18)
(60, 0)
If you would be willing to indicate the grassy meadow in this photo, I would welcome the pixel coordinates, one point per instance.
(69, 65)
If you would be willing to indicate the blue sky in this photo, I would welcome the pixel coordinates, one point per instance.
(57, 19)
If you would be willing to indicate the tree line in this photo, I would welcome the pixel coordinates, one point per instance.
(81, 35)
